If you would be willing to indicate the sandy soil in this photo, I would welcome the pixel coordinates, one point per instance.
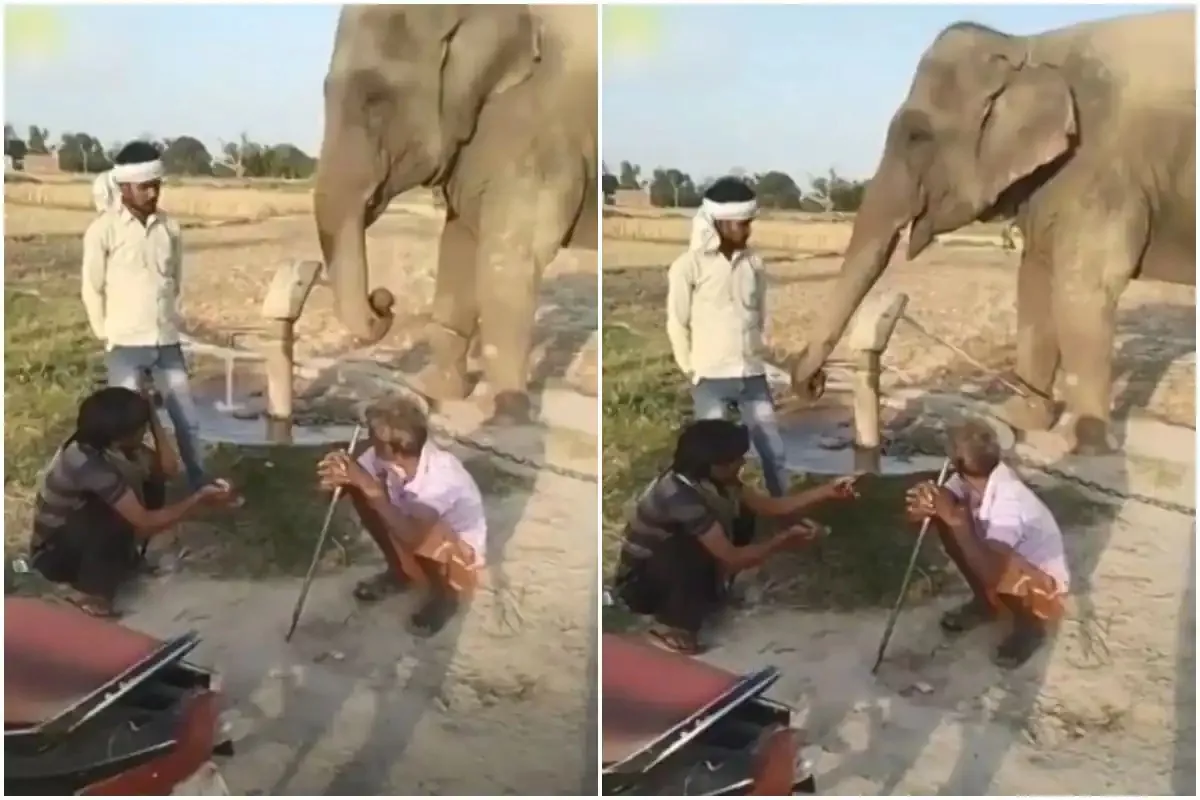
(500, 703)
(939, 718)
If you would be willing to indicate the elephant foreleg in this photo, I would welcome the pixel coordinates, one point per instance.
(455, 312)
(1091, 271)
(518, 241)
(1037, 344)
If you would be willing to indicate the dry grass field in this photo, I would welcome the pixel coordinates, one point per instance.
(792, 232)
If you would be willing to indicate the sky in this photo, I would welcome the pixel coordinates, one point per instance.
(801, 89)
(797, 88)
(209, 71)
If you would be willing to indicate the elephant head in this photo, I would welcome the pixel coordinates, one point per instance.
(982, 124)
(404, 89)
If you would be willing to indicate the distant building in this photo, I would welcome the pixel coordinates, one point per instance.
(631, 198)
(42, 163)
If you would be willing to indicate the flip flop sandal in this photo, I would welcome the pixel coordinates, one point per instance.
(378, 587)
(674, 641)
(94, 607)
(1018, 648)
(966, 617)
(432, 617)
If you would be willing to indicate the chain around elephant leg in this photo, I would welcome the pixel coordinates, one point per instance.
(445, 377)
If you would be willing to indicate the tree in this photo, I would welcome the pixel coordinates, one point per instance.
(777, 190)
(670, 188)
(234, 154)
(80, 152)
(835, 193)
(186, 155)
(630, 177)
(608, 185)
(14, 147)
(37, 139)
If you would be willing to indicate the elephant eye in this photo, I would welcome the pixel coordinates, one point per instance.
(919, 135)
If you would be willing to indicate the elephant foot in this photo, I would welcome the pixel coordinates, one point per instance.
(1029, 413)
(510, 409)
(1089, 436)
(442, 383)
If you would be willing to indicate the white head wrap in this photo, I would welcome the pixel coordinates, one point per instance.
(704, 236)
(138, 173)
(104, 191)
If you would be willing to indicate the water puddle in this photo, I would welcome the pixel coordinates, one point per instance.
(231, 407)
(820, 441)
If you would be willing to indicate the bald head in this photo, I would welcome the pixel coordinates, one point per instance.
(974, 448)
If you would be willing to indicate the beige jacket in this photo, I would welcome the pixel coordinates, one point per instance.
(131, 279)
(716, 311)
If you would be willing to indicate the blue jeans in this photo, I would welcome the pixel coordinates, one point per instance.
(169, 369)
(752, 397)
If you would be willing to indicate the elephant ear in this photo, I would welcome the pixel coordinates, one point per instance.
(487, 50)
(1029, 123)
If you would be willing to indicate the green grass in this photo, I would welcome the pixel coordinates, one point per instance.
(645, 401)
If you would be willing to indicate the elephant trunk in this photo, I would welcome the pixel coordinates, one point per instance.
(880, 219)
(342, 216)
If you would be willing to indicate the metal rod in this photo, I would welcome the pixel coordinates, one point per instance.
(908, 573)
(229, 384)
(312, 567)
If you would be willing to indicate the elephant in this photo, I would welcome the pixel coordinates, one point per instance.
(495, 107)
(1085, 136)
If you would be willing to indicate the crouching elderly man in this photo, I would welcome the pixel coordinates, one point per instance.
(420, 505)
(1003, 539)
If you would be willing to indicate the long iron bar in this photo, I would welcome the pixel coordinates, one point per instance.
(912, 564)
(312, 567)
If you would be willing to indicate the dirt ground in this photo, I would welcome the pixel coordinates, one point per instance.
(501, 702)
(1109, 708)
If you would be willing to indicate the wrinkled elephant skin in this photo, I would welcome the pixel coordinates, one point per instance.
(494, 106)
(1086, 137)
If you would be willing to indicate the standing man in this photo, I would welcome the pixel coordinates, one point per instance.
(132, 259)
(716, 304)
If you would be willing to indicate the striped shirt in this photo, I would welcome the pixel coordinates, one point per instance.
(77, 478)
(131, 279)
(667, 508)
(441, 483)
(1008, 512)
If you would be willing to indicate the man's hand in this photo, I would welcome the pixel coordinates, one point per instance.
(845, 488)
(802, 533)
(928, 500)
(218, 493)
(338, 470)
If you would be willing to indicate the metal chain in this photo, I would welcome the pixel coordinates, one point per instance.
(487, 449)
(1099, 488)
(522, 461)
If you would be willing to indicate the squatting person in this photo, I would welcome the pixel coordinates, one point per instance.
(1003, 539)
(716, 313)
(682, 544)
(132, 271)
(420, 505)
(102, 497)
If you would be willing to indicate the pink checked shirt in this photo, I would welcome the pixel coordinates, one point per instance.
(442, 483)
(1010, 513)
